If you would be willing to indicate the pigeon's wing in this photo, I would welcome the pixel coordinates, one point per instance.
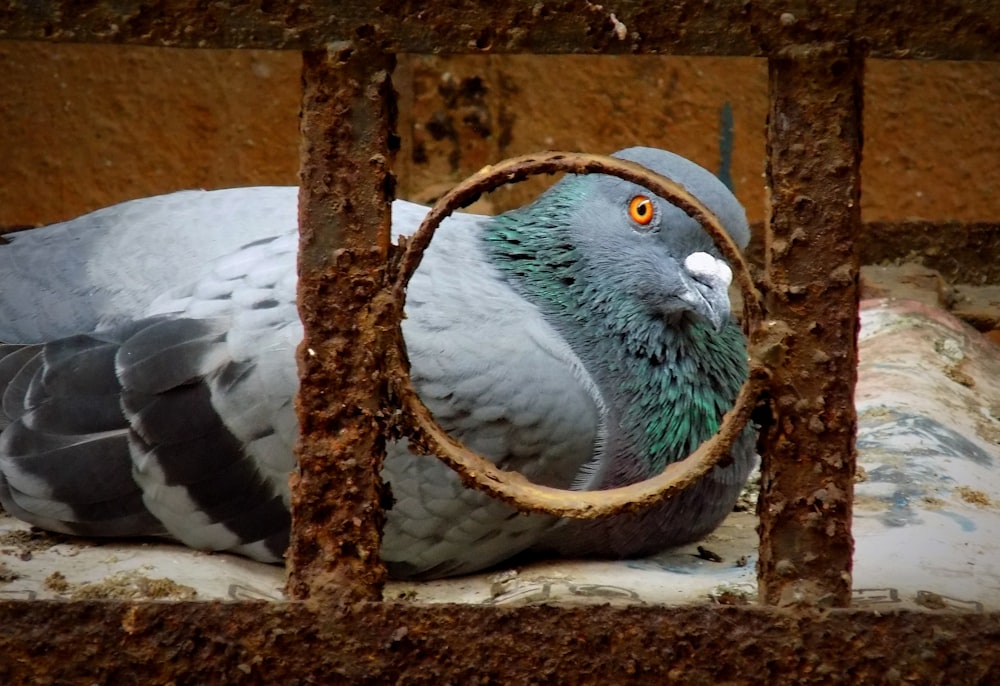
(179, 423)
(152, 428)
(64, 449)
(109, 265)
(209, 395)
(211, 431)
(498, 377)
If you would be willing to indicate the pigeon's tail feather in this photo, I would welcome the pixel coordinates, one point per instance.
(14, 359)
(110, 435)
(126, 517)
(64, 455)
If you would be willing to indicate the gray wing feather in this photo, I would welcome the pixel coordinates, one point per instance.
(15, 360)
(66, 462)
(190, 344)
(151, 458)
(198, 476)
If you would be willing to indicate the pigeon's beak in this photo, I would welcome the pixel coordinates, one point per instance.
(708, 291)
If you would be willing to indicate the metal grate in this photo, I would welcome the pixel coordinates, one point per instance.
(340, 631)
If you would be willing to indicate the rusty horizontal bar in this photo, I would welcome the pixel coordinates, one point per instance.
(811, 294)
(951, 29)
(48, 642)
(348, 140)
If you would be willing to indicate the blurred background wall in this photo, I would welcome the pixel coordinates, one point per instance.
(83, 126)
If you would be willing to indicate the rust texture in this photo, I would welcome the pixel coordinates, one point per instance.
(950, 29)
(465, 26)
(811, 275)
(48, 642)
(476, 471)
(346, 190)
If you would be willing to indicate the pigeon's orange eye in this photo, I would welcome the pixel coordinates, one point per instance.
(640, 209)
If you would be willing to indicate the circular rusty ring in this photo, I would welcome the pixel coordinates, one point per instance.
(511, 487)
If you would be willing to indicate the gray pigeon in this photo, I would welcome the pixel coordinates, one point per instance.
(585, 340)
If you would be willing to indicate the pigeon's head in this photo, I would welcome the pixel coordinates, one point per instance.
(645, 250)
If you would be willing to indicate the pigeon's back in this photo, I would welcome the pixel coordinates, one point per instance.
(109, 265)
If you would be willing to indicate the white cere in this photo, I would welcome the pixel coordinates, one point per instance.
(708, 269)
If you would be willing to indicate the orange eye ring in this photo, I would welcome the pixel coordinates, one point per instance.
(640, 210)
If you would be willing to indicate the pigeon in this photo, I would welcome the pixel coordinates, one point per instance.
(585, 340)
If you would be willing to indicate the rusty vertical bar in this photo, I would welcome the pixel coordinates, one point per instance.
(811, 260)
(347, 125)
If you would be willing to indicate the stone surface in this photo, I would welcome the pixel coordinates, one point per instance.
(906, 281)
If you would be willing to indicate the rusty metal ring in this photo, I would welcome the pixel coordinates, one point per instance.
(511, 487)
